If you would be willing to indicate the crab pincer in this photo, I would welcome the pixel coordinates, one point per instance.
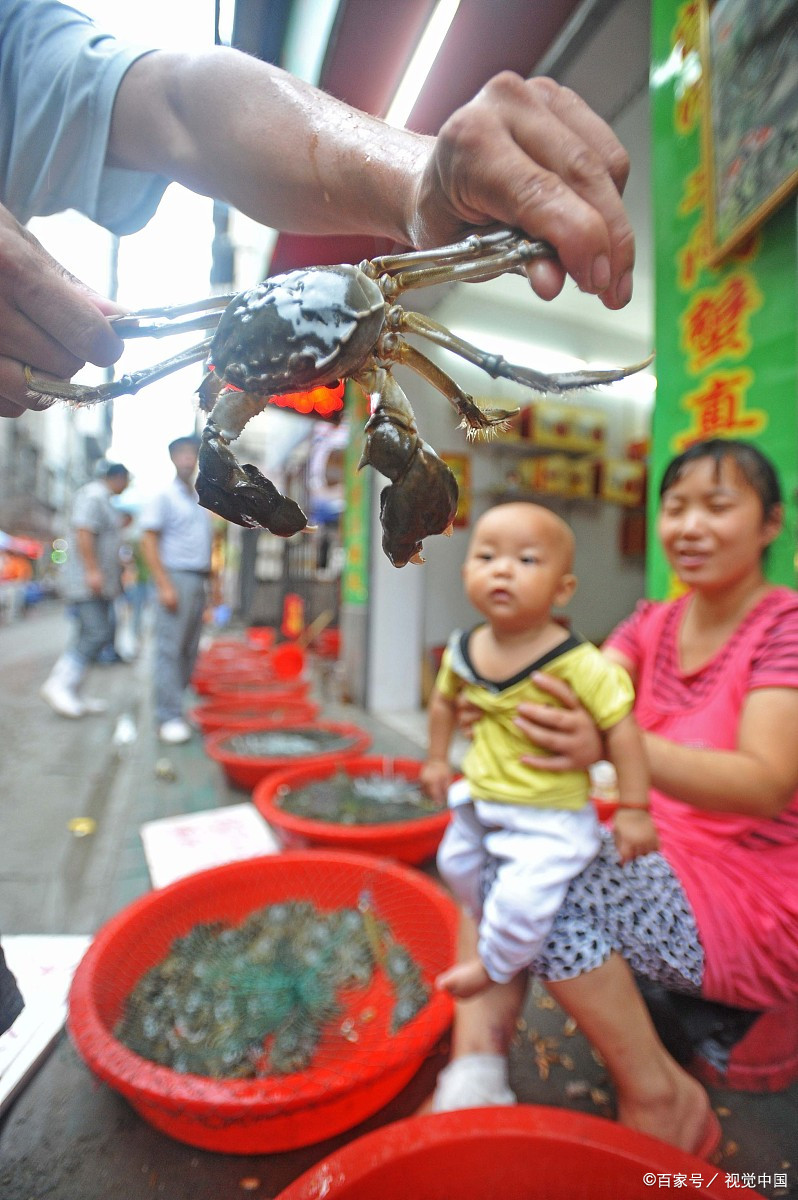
(421, 499)
(241, 493)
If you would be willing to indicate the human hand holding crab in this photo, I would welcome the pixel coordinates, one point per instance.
(523, 153)
(312, 327)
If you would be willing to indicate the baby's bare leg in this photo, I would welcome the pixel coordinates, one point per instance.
(464, 979)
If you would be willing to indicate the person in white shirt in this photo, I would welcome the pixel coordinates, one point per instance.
(176, 545)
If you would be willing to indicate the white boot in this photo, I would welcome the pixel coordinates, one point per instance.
(473, 1081)
(60, 689)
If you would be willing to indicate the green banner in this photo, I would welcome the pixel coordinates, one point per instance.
(725, 334)
(355, 534)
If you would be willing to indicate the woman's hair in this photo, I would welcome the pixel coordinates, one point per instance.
(756, 469)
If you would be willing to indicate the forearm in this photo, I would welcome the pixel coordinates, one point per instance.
(283, 152)
(441, 720)
(731, 781)
(626, 751)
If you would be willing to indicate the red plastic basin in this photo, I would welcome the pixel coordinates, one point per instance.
(246, 770)
(528, 1152)
(245, 685)
(348, 1080)
(410, 841)
(244, 714)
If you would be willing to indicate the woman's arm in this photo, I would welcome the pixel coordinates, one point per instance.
(526, 153)
(758, 779)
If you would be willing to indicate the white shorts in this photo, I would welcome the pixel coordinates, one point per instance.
(537, 852)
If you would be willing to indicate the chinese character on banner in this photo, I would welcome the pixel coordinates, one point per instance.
(715, 324)
(718, 410)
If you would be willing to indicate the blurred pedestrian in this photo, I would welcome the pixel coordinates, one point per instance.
(176, 546)
(93, 582)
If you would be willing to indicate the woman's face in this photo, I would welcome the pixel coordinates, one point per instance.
(712, 525)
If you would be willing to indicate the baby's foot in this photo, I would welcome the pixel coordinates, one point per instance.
(464, 980)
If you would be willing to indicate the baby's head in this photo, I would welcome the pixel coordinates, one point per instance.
(519, 563)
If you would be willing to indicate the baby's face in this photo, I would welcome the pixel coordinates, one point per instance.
(518, 566)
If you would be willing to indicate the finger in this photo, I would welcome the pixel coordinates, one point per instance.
(24, 341)
(558, 689)
(547, 277)
(52, 299)
(549, 762)
(65, 311)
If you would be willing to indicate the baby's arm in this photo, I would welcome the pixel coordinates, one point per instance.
(633, 829)
(436, 774)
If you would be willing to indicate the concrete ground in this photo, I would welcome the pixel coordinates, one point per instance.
(68, 1137)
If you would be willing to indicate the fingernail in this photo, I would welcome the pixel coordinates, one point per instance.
(623, 291)
(601, 274)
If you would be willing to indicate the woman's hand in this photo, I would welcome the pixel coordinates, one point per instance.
(49, 320)
(567, 732)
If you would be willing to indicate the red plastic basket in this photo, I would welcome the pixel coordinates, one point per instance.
(247, 685)
(347, 1081)
(410, 841)
(526, 1153)
(244, 714)
(246, 770)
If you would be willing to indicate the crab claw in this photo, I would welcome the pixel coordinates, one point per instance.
(422, 497)
(240, 492)
(419, 504)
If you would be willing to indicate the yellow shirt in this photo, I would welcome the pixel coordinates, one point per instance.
(493, 764)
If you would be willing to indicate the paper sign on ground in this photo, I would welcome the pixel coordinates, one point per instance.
(178, 846)
(43, 967)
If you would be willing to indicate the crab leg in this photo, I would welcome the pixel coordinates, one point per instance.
(475, 419)
(498, 367)
(126, 385)
(473, 260)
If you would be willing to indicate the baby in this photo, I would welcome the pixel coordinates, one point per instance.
(538, 827)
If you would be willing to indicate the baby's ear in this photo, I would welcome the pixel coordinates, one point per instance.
(567, 587)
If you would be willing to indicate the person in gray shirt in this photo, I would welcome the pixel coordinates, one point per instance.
(93, 580)
(176, 545)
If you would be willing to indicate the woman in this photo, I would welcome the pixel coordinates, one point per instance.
(715, 912)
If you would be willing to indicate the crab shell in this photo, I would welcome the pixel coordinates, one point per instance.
(305, 328)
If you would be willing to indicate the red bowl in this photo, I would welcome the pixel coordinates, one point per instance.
(259, 693)
(244, 685)
(244, 714)
(528, 1152)
(246, 770)
(347, 1082)
(410, 841)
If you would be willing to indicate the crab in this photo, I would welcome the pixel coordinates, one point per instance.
(313, 327)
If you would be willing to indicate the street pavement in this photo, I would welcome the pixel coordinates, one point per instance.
(68, 1137)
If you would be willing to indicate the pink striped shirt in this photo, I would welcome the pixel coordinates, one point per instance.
(740, 873)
